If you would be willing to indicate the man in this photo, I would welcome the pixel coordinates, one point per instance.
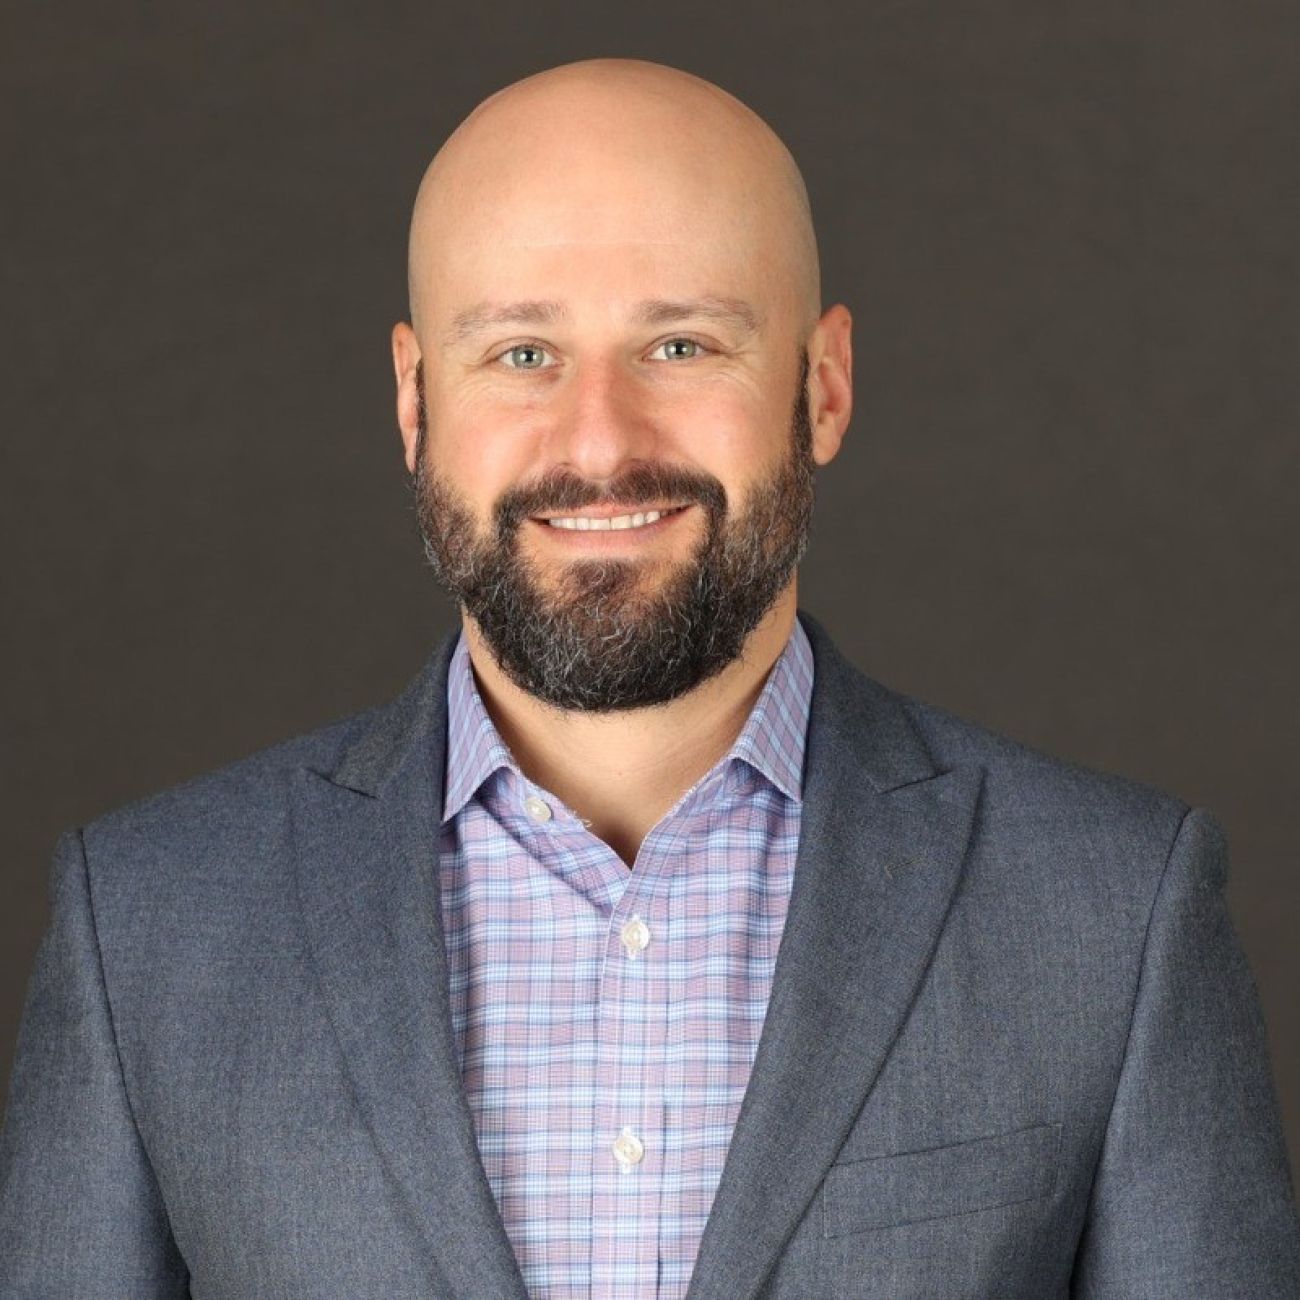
(642, 947)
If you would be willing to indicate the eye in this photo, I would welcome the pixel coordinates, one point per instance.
(675, 346)
(523, 356)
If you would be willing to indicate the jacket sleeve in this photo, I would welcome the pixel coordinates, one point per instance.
(80, 1211)
(1193, 1193)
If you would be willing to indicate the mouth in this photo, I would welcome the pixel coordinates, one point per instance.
(612, 518)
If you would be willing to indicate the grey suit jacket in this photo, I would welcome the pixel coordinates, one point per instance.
(1012, 1050)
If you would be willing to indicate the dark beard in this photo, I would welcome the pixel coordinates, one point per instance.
(599, 638)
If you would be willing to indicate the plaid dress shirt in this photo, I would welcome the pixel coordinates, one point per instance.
(606, 1020)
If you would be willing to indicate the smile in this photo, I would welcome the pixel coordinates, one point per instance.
(610, 523)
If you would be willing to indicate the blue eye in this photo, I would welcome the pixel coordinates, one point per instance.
(529, 350)
(695, 347)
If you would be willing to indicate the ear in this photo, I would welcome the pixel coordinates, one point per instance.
(406, 354)
(830, 381)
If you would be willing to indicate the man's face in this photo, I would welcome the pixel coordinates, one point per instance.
(609, 327)
(642, 623)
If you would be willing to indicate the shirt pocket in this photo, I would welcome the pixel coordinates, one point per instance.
(912, 1186)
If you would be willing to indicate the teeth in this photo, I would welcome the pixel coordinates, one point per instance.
(585, 523)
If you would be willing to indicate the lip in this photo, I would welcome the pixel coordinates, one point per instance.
(596, 538)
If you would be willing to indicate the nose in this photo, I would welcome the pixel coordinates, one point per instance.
(604, 421)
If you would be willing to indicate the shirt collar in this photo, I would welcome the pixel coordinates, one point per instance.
(771, 741)
(474, 747)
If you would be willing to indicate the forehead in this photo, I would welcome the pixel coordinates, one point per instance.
(618, 236)
(603, 225)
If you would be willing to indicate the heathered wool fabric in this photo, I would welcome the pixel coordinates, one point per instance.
(566, 1035)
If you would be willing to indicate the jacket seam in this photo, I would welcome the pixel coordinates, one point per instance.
(112, 1024)
(1138, 985)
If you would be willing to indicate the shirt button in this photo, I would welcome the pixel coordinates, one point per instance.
(538, 809)
(628, 1150)
(635, 935)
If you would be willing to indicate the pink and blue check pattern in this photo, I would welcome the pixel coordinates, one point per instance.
(574, 1023)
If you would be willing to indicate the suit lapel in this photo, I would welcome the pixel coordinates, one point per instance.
(366, 838)
(882, 839)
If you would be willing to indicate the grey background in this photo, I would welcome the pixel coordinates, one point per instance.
(1067, 234)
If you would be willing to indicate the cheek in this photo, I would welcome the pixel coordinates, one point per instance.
(482, 450)
(730, 434)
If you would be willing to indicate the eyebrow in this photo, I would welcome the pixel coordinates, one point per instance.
(735, 312)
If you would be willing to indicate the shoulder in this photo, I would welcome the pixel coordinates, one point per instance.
(236, 812)
(1024, 789)
(1049, 814)
(1038, 817)
(1029, 781)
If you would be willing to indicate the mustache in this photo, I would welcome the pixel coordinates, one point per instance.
(636, 488)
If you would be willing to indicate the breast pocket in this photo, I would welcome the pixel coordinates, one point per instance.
(912, 1186)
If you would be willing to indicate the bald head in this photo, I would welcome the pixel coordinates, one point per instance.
(629, 163)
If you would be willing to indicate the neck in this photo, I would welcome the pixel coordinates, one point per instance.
(622, 771)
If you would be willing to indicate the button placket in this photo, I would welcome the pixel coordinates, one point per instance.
(629, 1166)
